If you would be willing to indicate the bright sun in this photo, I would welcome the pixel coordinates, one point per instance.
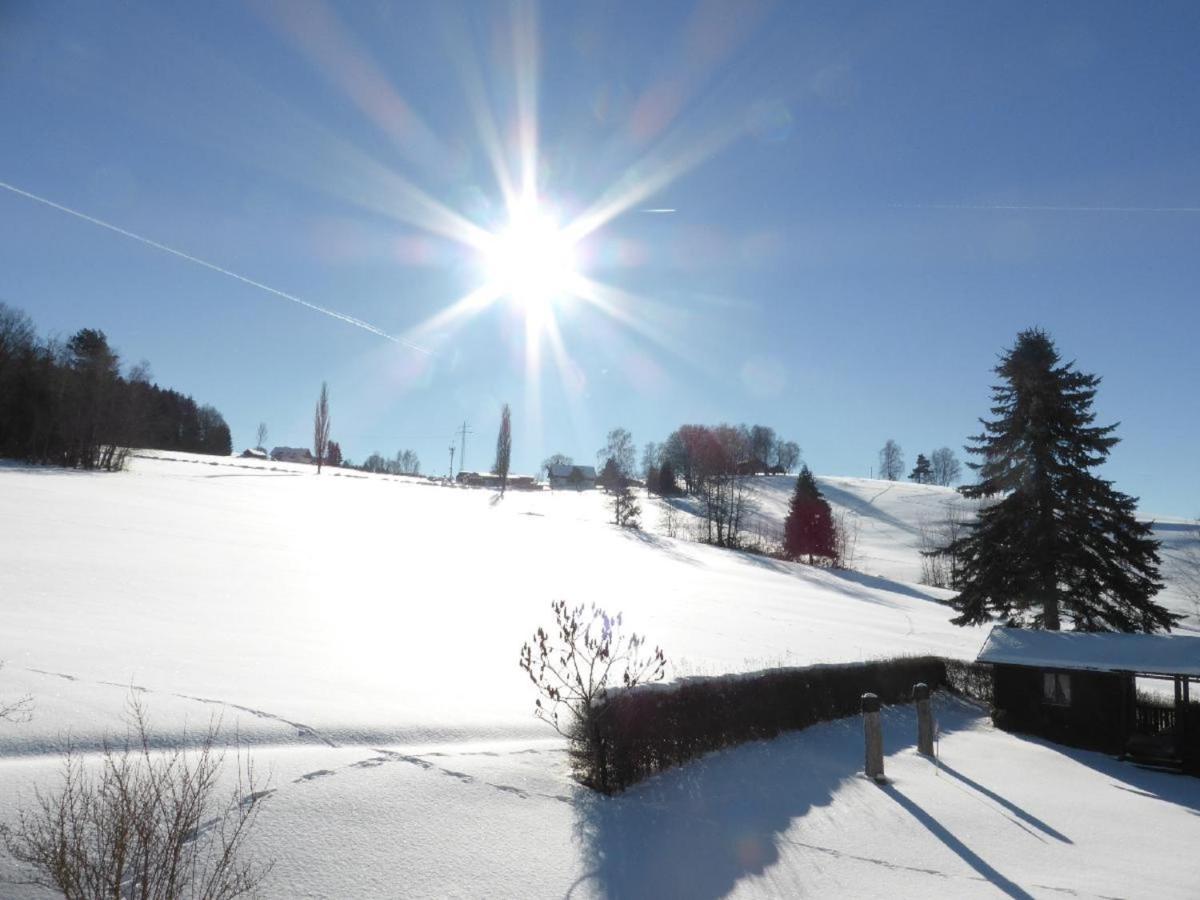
(530, 260)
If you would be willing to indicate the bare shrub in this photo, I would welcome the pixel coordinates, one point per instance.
(846, 526)
(573, 672)
(939, 567)
(765, 538)
(142, 823)
(668, 519)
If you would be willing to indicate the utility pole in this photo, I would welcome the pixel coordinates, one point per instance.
(451, 462)
(462, 456)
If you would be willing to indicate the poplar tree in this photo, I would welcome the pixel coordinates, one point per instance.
(1055, 541)
(503, 447)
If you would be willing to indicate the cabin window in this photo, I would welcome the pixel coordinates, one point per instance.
(1056, 688)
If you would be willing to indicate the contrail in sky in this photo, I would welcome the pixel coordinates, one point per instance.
(349, 320)
(663, 209)
(1046, 208)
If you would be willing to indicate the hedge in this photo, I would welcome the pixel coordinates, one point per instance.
(638, 732)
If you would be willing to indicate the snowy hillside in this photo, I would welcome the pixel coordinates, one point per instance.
(893, 520)
(361, 633)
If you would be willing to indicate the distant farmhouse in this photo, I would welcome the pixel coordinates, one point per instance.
(579, 478)
(488, 480)
(292, 454)
(255, 453)
(1095, 690)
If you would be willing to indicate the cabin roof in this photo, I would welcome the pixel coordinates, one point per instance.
(1153, 654)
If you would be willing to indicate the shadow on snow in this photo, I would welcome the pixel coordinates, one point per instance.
(697, 830)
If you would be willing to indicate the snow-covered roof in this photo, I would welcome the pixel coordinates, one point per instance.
(1155, 654)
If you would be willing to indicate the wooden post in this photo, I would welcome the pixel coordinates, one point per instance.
(924, 719)
(1180, 715)
(873, 733)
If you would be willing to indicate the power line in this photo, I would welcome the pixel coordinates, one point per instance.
(462, 447)
(349, 320)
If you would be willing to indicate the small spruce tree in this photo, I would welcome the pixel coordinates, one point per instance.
(808, 529)
(1057, 541)
(922, 472)
(666, 480)
(625, 506)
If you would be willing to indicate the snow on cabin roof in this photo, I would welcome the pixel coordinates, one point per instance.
(1154, 654)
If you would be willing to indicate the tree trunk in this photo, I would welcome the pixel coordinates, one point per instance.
(1050, 610)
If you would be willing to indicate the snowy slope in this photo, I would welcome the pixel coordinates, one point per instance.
(370, 609)
(361, 633)
(891, 518)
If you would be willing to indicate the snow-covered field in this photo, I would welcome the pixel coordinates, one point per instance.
(361, 634)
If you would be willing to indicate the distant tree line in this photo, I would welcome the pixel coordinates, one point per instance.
(712, 464)
(941, 467)
(67, 403)
(405, 462)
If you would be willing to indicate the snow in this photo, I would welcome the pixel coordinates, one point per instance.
(360, 634)
(1152, 654)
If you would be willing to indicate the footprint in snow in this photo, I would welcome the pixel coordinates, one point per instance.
(320, 773)
(256, 796)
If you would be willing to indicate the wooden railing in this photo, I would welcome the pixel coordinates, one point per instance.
(1154, 719)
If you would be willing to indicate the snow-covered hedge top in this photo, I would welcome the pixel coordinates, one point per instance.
(1157, 654)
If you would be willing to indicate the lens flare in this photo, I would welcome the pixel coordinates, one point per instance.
(530, 259)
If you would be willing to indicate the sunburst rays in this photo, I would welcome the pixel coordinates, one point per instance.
(524, 255)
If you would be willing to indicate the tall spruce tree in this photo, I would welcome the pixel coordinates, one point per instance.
(808, 528)
(1058, 542)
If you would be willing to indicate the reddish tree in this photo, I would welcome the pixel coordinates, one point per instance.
(808, 529)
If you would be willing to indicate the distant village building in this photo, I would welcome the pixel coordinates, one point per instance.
(488, 480)
(1081, 688)
(293, 455)
(579, 478)
(254, 453)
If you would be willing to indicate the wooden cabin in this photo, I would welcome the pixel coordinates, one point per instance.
(1090, 689)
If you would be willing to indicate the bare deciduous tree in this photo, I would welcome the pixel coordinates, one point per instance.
(891, 461)
(650, 456)
(845, 529)
(939, 568)
(321, 427)
(555, 459)
(668, 519)
(787, 455)
(260, 437)
(142, 823)
(945, 466)
(620, 449)
(762, 442)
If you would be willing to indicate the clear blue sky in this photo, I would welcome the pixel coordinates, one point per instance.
(870, 200)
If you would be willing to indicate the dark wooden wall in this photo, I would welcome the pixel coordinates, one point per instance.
(1099, 717)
